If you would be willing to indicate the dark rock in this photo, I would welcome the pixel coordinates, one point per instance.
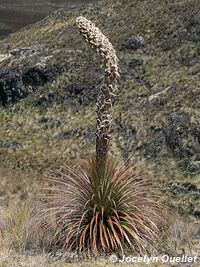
(186, 188)
(196, 234)
(10, 144)
(80, 94)
(10, 89)
(134, 63)
(27, 51)
(25, 72)
(46, 100)
(196, 213)
(178, 129)
(194, 167)
(90, 136)
(187, 197)
(20, 51)
(193, 27)
(133, 43)
(153, 148)
(17, 84)
(34, 77)
(158, 100)
(77, 132)
(144, 82)
(196, 132)
(43, 120)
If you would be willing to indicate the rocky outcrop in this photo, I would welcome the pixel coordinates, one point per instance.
(24, 71)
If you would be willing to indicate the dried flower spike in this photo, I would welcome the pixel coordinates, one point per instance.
(104, 48)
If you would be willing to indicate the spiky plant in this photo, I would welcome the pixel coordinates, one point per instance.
(102, 209)
(102, 205)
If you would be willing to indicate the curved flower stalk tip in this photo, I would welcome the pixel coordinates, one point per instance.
(104, 48)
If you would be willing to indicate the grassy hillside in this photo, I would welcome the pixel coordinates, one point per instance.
(49, 81)
(56, 78)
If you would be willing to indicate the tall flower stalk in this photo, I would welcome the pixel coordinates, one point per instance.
(102, 205)
(104, 48)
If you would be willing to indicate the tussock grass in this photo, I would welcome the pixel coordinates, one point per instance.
(181, 235)
(19, 231)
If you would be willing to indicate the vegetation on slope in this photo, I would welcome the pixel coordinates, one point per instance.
(49, 84)
(156, 108)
